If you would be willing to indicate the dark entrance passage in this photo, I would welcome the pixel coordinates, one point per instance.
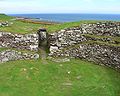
(42, 33)
(43, 44)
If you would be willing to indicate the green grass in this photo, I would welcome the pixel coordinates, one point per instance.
(21, 27)
(27, 27)
(2, 49)
(100, 37)
(32, 78)
(4, 17)
(18, 26)
(35, 78)
(19, 50)
(58, 27)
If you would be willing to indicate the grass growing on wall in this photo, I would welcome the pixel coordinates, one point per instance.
(2, 49)
(75, 78)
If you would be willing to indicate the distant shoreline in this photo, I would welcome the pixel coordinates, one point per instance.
(36, 20)
(69, 17)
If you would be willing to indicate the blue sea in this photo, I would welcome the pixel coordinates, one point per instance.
(70, 17)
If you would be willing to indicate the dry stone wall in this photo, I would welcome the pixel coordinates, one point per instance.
(18, 41)
(72, 36)
(28, 41)
(76, 42)
(100, 54)
(106, 28)
(12, 55)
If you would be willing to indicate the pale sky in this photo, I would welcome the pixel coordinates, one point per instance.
(60, 6)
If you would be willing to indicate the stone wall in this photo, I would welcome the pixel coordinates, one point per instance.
(72, 36)
(28, 41)
(4, 24)
(12, 55)
(83, 42)
(100, 54)
(102, 28)
(97, 42)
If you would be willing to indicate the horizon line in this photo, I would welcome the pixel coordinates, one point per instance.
(64, 13)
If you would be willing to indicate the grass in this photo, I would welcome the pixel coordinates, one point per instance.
(18, 50)
(2, 49)
(74, 78)
(58, 27)
(32, 78)
(24, 26)
(100, 37)
(4, 17)
(21, 27)
(27, 26)
(18, 26)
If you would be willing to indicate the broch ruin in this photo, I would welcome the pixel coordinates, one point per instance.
(96, 42)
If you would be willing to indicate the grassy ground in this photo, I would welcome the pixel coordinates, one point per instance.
(18, 26)
(4, 17)
(32, 78)
(29, 27)
(37, 78)
(26, 26)
(58, 27)
(21, 28)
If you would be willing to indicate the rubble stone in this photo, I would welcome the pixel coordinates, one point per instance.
(70, 42)
(12, 55)
(28, 41)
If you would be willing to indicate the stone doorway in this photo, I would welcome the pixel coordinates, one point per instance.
(43, 43)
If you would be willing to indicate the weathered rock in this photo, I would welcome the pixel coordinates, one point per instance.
(101, 54)
(12, 55)
(65, 43)
(53, 49)
(9, 40)
(5, 24)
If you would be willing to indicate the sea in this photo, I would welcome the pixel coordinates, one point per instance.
(69, 17)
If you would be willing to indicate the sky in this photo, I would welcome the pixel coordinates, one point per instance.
(60, 6)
